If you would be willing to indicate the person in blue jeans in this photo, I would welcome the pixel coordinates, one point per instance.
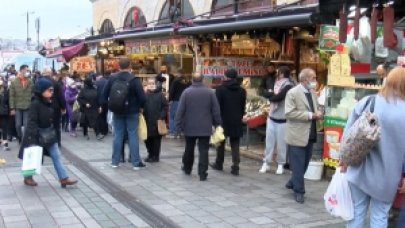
(40, 116)
(374, 183)
(127, 119)
(180, 83)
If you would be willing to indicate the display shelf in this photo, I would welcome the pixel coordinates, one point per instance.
(357, 86)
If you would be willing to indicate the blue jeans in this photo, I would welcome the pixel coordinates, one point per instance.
(21, 120)
(361, 202)
(57, 163)
(130, 124)
(172, 115)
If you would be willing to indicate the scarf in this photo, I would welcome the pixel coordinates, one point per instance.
(277, 88)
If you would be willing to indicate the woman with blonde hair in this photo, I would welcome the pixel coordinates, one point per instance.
(375, 181)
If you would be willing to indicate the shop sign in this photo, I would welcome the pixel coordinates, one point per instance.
(216, 67)
(83, 64)
(329, 37)
(157, 46)
(333, 128)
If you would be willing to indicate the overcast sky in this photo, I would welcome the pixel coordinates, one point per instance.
(64, 18)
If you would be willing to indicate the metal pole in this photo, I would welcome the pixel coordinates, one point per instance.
(28, 31)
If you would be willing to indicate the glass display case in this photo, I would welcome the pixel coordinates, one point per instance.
(339, 105)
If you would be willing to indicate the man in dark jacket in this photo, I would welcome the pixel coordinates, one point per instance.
(102, 124)
(198, 111)
(176, 89)
(162, 77)
(58, 102)
(232, 99)
(267, 84)
(129, 119)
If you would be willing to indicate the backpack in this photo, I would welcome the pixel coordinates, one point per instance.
(118, 97)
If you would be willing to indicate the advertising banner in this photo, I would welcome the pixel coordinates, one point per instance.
(246, 67)
(83, 64)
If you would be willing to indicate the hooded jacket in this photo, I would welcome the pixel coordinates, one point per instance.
(154, 110)
(88, 95)
(232, 100)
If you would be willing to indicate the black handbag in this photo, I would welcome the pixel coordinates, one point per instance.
(47, 137)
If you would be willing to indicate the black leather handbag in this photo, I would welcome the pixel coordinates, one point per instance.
(47, 137)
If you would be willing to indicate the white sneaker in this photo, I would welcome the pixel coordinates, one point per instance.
(280, 169)
(265, 168)
(114, 166)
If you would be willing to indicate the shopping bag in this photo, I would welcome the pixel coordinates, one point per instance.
(142, 129)
(76, 106)
(338, 197)
(32, 161)
(162, 127)
(218, 137)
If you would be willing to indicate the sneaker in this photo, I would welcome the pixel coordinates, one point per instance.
(139, 166)
(280, 169)
(5, 147)
(100, 137)
(114, 166)
(170, 136)
(73, 134)
(265, 168)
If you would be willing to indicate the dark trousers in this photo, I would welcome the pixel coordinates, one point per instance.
(401, 217)
(56, 124)
(234, 150)
(188, 157)
(299, 159)
(102, 124)
(12, 131)
(4, 127)
(65, 122)
(153, 145)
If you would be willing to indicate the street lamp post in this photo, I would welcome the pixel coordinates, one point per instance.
(28, 27)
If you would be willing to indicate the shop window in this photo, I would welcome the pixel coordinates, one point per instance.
(174, 9)
(107, 27)
(135, 18)
(229, 7)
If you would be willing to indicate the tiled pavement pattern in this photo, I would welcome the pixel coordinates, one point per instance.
(250, 200)
(47, 205)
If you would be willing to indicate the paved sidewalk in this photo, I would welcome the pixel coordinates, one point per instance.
(48, 205)
(250, 200)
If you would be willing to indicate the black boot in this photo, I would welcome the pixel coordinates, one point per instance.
(216, 166)
(235, 170)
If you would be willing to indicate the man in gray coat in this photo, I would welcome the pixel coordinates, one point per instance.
(301, 112)
(197, 113)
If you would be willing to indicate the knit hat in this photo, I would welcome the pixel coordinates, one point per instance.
(42, 85)
(231, 73)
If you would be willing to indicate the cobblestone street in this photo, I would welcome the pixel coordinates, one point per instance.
(250, 200)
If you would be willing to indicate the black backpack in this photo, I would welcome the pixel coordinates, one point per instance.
(119, 93)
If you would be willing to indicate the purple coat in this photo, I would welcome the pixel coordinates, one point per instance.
(70, 97)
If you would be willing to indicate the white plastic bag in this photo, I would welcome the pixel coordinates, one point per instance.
(338, 197)
(32, 161)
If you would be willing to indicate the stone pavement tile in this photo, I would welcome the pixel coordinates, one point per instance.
(219, 225)
(23, 224)
(196, 213)
(192, 224)
(90, 223)
(182, 219)
(11, 212)
(79, 225)
(81, 213)
(107, 224)
(261, 220)
(138, 222)
(101, 217)
(235, 220)
(248, 225)
(14, 218)
(62, 214)
(222, 214)
(208, 219)
(261, 209)
(67, 221)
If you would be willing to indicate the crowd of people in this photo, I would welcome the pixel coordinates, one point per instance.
(30, 106)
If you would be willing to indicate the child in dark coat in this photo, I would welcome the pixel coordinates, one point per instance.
(154, 110)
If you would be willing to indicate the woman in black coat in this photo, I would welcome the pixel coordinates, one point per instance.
(232, 99)
(4, 115)
(154, 110)
(89, 106)
(41, 117)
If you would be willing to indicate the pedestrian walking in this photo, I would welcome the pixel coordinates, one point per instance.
(20, 99)
(12, 130)
(58, 102)
(89, 106)
(4, 114)
(276, 121)
(197, 113)
(180, 83)
(155, 109)
(125, 97)
(375, 181)
(102, 124)
(73, 86)
(232, 100)
(301, 112)
(41, 117)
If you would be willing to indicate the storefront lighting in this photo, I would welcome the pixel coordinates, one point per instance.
(102, 43)
(352, 8)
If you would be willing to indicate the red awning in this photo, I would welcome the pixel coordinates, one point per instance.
(68, 52)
